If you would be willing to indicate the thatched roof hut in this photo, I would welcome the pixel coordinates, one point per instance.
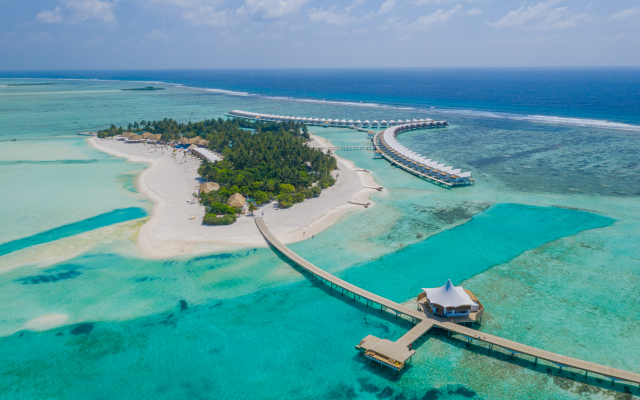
(207, 187)
(236, 200)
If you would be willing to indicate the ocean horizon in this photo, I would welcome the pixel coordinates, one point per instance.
(606, 97)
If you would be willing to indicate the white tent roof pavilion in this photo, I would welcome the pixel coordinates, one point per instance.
(450, 296)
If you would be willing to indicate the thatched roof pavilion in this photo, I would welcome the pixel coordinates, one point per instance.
(236, 200)
(208, 187)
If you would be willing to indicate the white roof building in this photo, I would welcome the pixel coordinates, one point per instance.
(449, 298)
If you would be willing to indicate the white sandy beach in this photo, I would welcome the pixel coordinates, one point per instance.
(170, 182)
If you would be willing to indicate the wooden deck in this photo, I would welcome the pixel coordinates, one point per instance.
(426, 322)
(415, 333)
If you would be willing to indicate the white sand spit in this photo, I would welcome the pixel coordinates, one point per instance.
(169, 183)
(46, 322)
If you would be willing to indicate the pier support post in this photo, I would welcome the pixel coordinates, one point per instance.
(536, 363)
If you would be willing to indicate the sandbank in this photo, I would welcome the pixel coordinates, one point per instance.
(169, 182)
(46, 322)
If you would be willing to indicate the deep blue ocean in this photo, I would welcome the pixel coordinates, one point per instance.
(607, 94)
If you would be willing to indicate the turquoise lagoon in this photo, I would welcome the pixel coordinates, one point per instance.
(544, 239)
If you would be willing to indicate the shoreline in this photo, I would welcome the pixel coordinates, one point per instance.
(165, 236)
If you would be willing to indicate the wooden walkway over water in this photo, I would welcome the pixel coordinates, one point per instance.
(424, 322)
(333, 148)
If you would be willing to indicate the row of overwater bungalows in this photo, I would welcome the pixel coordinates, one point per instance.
(394, 150)
(332, 122)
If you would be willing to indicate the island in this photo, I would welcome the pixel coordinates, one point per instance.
(258, 162)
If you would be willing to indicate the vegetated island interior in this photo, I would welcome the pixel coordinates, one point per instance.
(263, 162)
(146, 88)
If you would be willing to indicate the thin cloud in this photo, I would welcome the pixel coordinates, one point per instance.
(207, 15)
(438, 18)
(201, 12)
(51, 17)
(158, 34)
(76, 11)
(268, 9)
(626, 13)
(387, 6)
(335, 15)
(541, 15)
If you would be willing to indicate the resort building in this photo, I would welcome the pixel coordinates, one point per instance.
(205, 154)
(451, 301)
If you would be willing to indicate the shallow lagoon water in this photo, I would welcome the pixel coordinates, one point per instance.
(245, 324)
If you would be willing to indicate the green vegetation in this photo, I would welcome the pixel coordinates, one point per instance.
(272, 162)
(110, 131)
(146, 88)
(213, 219)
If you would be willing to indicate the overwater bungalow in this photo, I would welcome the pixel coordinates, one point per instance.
(350, 122)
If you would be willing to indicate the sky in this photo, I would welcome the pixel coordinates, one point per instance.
(186, 34)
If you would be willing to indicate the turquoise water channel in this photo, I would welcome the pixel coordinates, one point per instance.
(555, 268)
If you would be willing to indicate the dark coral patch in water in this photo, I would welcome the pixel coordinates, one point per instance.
(365, 386)
(343, 391)
(147, 279)
(385, 393)
(211, 257)
(82, 329)
(183, 305)
(463, 391)
(431, 394)
(48, 278)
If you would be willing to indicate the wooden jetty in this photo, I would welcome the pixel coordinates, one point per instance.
(395, 354)
(347, 148)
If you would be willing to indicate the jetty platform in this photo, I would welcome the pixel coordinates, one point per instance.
(395, 354)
